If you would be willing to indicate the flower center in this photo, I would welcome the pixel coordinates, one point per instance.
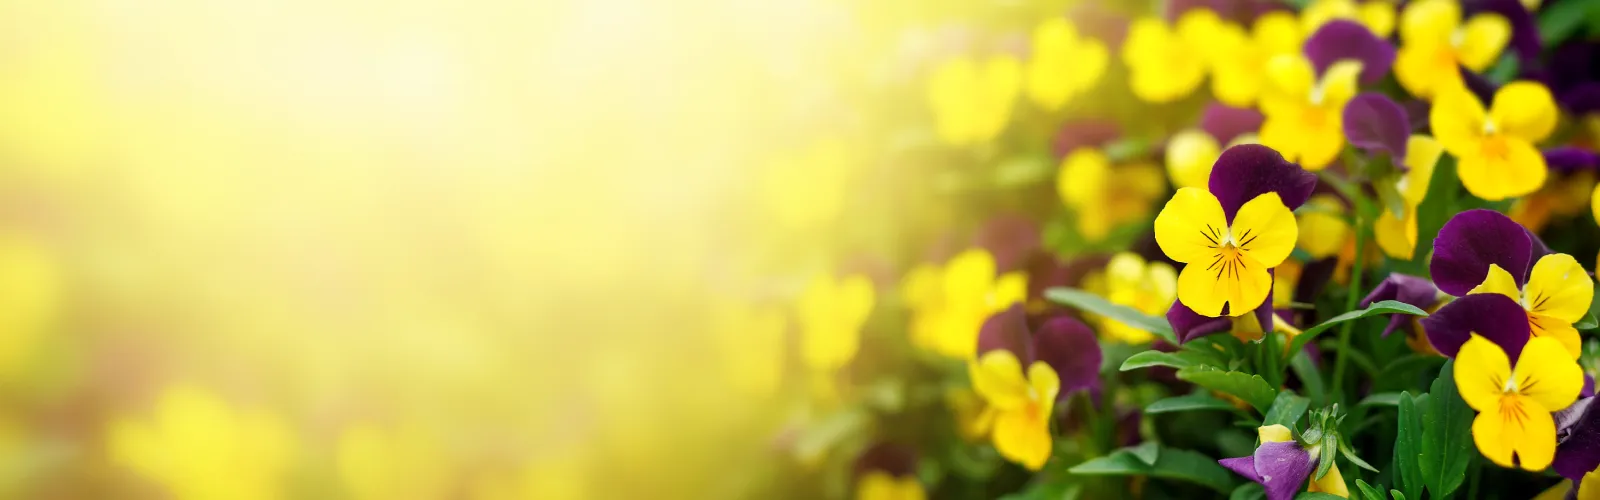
(1494, 146)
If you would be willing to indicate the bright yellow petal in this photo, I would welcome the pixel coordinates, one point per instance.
(1332, 484)
(1481, 371)
(1558, 287)
(1049, 66)
(1339, 83)
(1426, 69)
(1163, 282)
(1147, 39)
(1498, 281)
(1284, 131)
(1547, 374)
(968, 275)
(1046, 385)
(1277, 32)
(876, 485)
(1124, 271)
(1397, 237)
(1290, 79)
(1429, 21)
(1190, 154)
(1457, 120)
(1198, 27)
(1089, 59)
(1001, 82)
(1489, 432)
(1524, 109)
(1010, 288)
(997, 376)
(1022, 438)
(1502, 167)
(1191, 226)
(950, 91)
(1236, 280)
(1322, 234)
(1378, 16)
(1482, 38)
(1083, 178)
(1589, 488)
(1275, 433)
(1422, 154)
(1265, 229)
(1536, 447)
(1559, 330)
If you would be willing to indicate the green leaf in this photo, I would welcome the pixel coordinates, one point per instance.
(1397, 495)
(1589, 322)
(1370, 493)
(1330, 449)
(1381, 399)
(1505, 70)
(1248, 491)
(1286, 409)
(1562, 20)
(1349, 454)
(1177, 464)
(1447, 436)
(1408, 445)
(1196, 401)
(1147, 452)
(1409, 364)
(1126, 315)
(1251, 388)
(1310, 378)
(1384, 307)
(1179, 360)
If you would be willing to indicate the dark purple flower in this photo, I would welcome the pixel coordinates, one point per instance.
(1282, 468)
(1010, 238)
(1343, 39)
(1582, 99)
(1246, 171)
(1408, 289)
(1226, 123)
(1189, 325)
(1494, 316)
(1064, 343)
(1374, 122)
(1470, 242)
(1569, 159)
(1577, 439)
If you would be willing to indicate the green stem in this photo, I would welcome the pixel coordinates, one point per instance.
(1108, 421)
(1269, 346)
(1476, 473)
(1353, 298)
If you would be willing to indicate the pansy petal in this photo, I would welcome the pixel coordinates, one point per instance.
(1069, 348)
(1524, 109)
(1412, 290)
(1537, 446)
(1342, 39)
(1457, 119)
(1423, 73)
(1189, 325)
(1225, 123)
(1559, 287)
(1494, 438)
(1482, 369)
(1495, 317)
(1547, 374)
(1265, 229)
(1471, 241)
(1498, 282)
(1569, 159)
(1023, 438)
(1579, 450)
(997, 376)
(1524, 30)
(1044, 381)
(1515, 168)
(1557, 330)
(1007, 330)
(1189, 157)
(1374, 122)
(1422, 155)
(1191, 226)
(969, 274)
(1397, 237)
(1204, 290)
(1244, 466)
(1283, 468)
(1429, 21)
(1246, 171)
(1483, 37)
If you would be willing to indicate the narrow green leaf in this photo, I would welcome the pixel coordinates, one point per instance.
(1447, 436)
(1177, 464)
(1286, 409)
(1251, 388)
(1349, 454)
(1330, 449)
(1147, 452)
(1384, 307)
(1191, 402)
(1562, 20)
(1370, 493)
(1589, 322)
(1399, 369)
(1179, 360)
(1397, 495)
(1408, 446)
(1248, 491)
(1381, 399)
(1126, 315)
(1310, 378)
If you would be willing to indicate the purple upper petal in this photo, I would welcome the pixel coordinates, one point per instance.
(1408, 289)
(1343, 39)
(1569, 159)
(1583, 98)
(1472, 240)
(1246, 171)
(1070, 347)
(1225, 123)
(1007, 330)
(1494, 316)
(1282, 469)
(1010, 238)
(1578, 449)
(1417, 113)
(1189, 325)
(1374, 122)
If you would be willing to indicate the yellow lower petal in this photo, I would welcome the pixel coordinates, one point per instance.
(1502, 167)
(1397, 237)
(1332, 483)
(1023, 437)
(1558, 287)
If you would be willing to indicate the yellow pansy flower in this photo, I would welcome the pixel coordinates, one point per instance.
(1166, 63)
(1495, 150)
(1226, 263)
(1557, 295)
(1376, 15)
(1102, 196)
(1305, 114)
(831, 314)
(879, 485)
(1149, 288)
(1063, 63)
(951, 303)
(971, 100)
(1434, 43)
(1024, 403)
(1323, 231)
(1239, 69)
(1397, 234)
(1192, 152)
(198, 447)
(1515, 401)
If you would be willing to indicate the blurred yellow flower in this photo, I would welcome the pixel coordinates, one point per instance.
(1239, 68)
(198, 447)
(974, 417)
(831, 314)
(1024, 404)
(1434, 43)
(31, 284)
(392, 464)
(1376, 15)
(1323, 230)
(1396, 234)
(1063, 64)
(1304, 114)
(971, 101)
(806, 189)
(1103, 197)
(1149, 288)
(1190, 154)
(1166, 63)
(950, 304)
(749, 343)
(879, 485)
(1495, 150)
